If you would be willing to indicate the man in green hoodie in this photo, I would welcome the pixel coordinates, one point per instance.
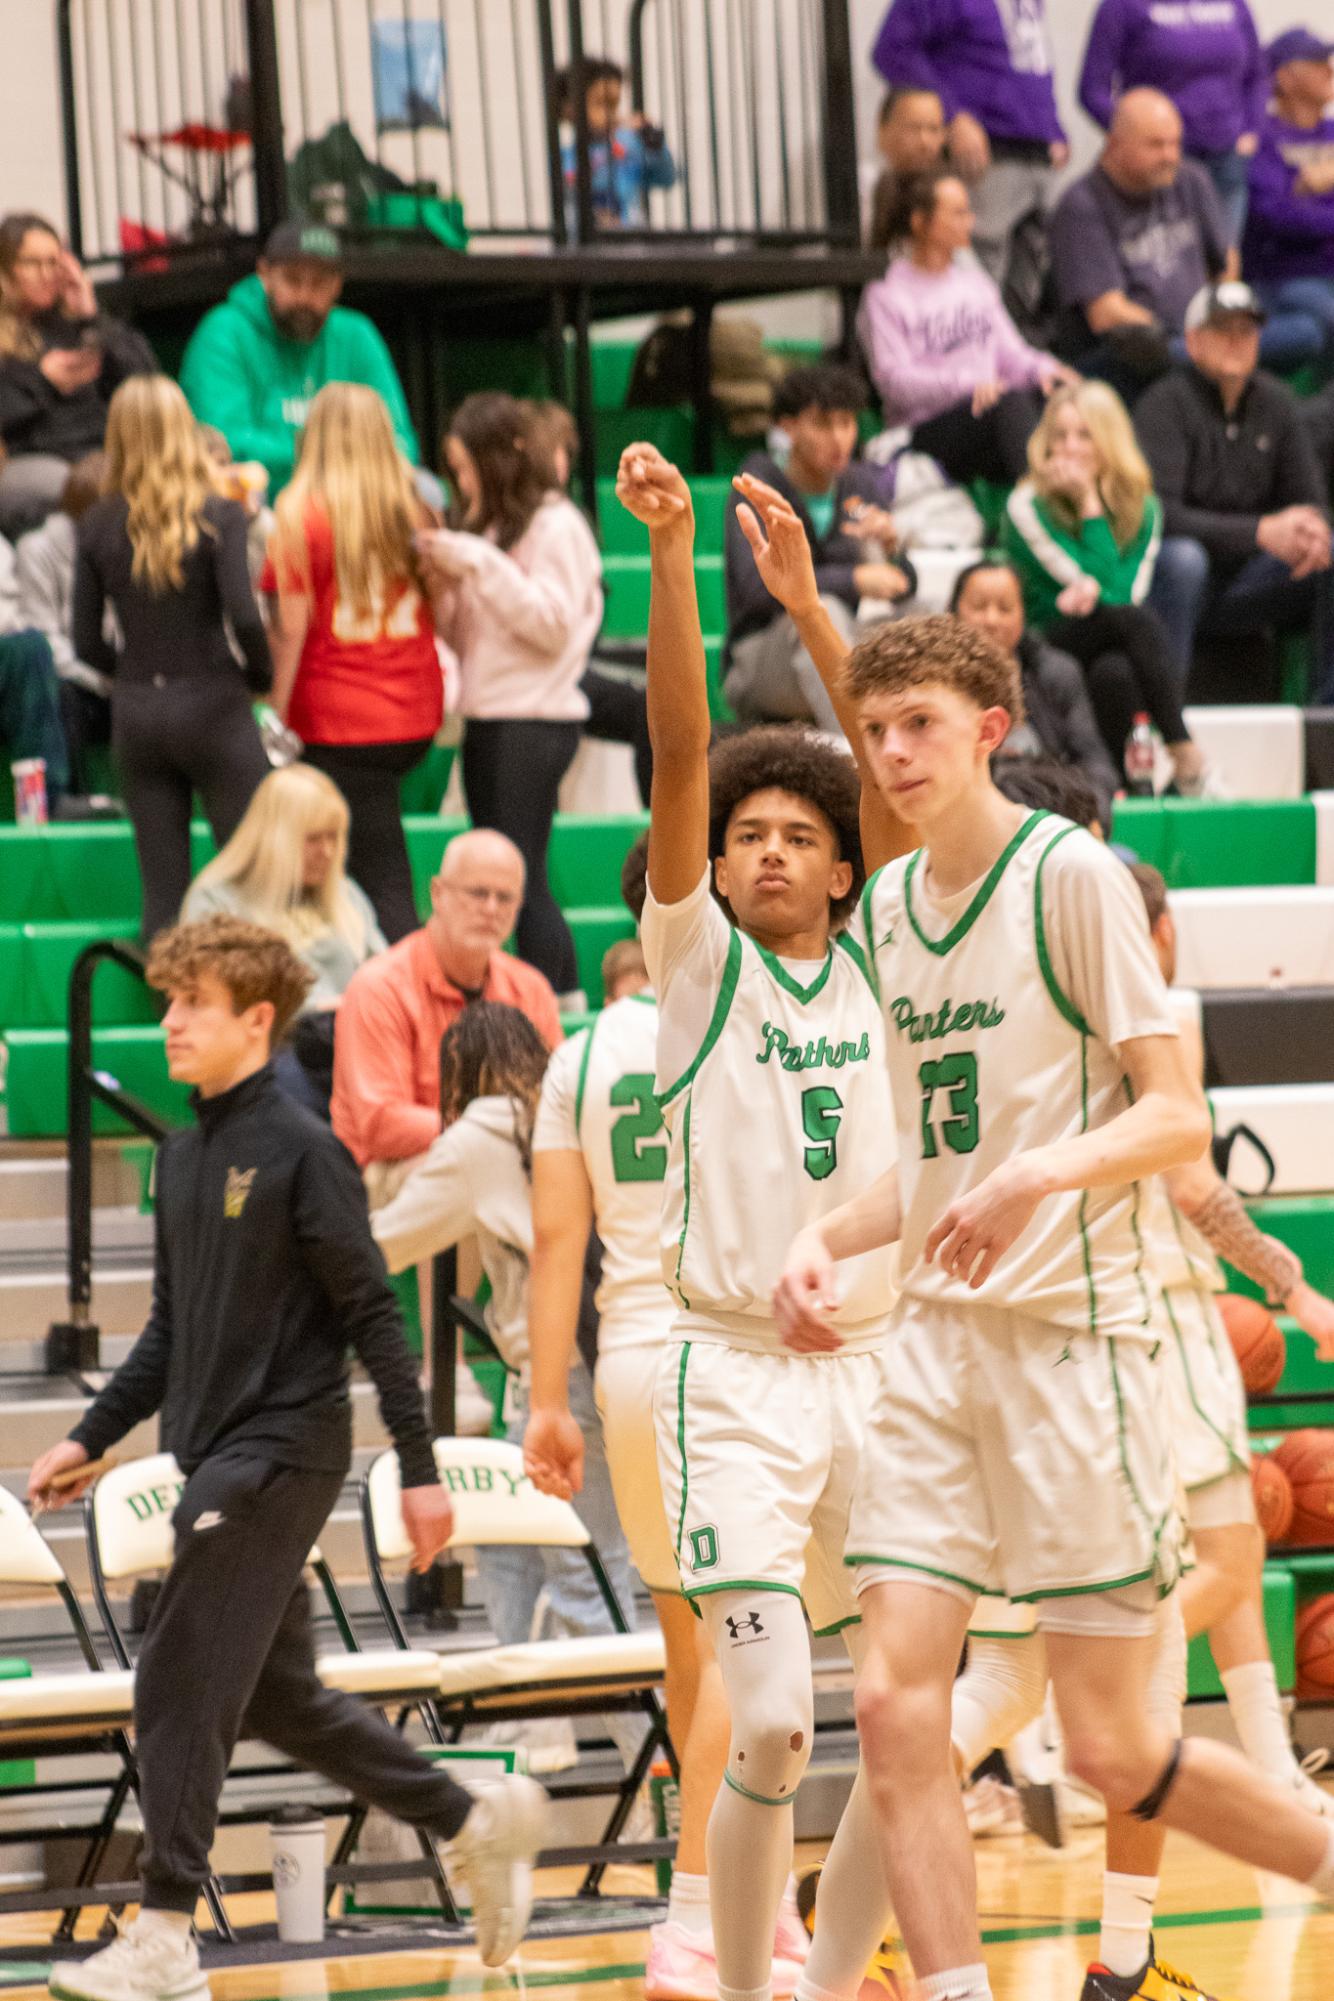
(255, 363)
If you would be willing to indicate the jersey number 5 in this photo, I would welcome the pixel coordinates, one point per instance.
(957, 1077)
(631, 1159)
(821, 1117)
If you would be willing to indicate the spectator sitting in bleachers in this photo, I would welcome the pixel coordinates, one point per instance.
(1289, 248)
(355, 668)
(991, 68)
(1058, 720)
(255, 364)
(167, 552)
(517, 579)
(44, 572)
(1083, 531)
(626, 156)
(246, 482)
(1244, 501)
(477, 1181)
(30, 718)
(61, 361)
(910, 139)
(853, 536)
(386, 1094)
(1207, 60)
(943, 352)
(285, 867)
(1132, 241)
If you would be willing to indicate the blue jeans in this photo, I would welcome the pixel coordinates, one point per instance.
(1261, 597)
(1180, 581)
(1301, 321)
(1230, 174)
(30, 724)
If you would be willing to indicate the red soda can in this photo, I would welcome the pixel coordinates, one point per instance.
(29, 774)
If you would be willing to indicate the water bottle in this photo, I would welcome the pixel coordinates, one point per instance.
(1139, 758)
(281, 745)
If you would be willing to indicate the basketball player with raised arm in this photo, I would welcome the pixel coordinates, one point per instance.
(771, 1079)
(1017, 1444)
(600, 1156)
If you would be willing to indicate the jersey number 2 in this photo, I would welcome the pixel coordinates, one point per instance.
(957, 1077)
(640, 1119)
(821, 1117)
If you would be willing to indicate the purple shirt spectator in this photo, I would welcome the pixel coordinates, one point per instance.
(1290, 233)
(1203, 54)
(1158, 248)
(990, 58)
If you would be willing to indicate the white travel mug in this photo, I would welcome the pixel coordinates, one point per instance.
(296, 1842)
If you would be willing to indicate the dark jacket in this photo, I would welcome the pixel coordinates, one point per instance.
(35, 417)
(1061, 718)
(265, 1273)
(179, 634)
(1216, 475)
(837, 555)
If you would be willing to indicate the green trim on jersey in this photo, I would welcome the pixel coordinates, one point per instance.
(1238, 1464)
(940, 946)
(839, 1626)
(681, 1448)
(694, 1591)
(685, 1206)
(1061, 1000)
(582, 1080)
(927, 1570)
(787, 982)
(858, 958)
(868, 894)
(760, 1799)
(721, 1009)
(1086, 1249)
(1083, 1590)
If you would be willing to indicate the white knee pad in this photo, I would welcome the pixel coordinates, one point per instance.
(1167, 1678)
(763, 1650)
(1000, 1692)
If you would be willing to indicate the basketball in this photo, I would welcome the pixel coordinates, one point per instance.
(1307, 1457)
(1273, 1498)
(1315, 1650)
(1257, 1341)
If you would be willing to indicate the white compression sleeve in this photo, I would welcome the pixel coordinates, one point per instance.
(1000, 1691)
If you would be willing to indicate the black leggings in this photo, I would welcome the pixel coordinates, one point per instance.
(369, 776)
(168, 742)
(1128, 665)
(617, 700)
(993, 446)
(512, 769)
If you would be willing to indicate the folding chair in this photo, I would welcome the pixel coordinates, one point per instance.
(128, 1529)
(496, 1503)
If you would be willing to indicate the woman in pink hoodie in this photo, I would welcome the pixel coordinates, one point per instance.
(946, 357)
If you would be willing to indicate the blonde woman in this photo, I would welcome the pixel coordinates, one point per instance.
(356, 672)
(286, 867)
(169, 554)
(1083, 531)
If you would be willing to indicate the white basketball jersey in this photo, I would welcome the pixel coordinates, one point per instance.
(624, 1146)
(987, 1059)
(1176, 1250)
(783, 1115)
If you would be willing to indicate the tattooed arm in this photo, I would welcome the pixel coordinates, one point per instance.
(1220, 1216)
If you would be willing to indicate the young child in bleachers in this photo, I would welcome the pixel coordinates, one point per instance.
(626, 156)
(246, 482)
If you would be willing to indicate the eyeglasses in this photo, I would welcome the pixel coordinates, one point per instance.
(479, 896)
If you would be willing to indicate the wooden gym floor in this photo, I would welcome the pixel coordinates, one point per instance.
(1245, 1937)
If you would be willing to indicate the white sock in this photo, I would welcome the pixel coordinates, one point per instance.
(1257, 1710)
(1127, 1921)
(961, 1983)
(688, 1904)
(853, 1908)
(173, 1925)
(1323, 1880)
(790, 1892)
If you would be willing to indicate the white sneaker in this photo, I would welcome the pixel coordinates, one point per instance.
(1308, 1792)
(143, 1964)
(993, 1808)
(495, 1850)
(549, 1741)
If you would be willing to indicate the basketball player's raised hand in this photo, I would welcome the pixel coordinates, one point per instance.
(650, 487)
(976, 1231)
(1314, 1314)
(553, 1453)
(428, 1518)
(778, 543)
(806, 1295)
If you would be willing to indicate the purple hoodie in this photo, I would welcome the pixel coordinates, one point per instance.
(1289, 235)
(988, 57)
(1203, 54)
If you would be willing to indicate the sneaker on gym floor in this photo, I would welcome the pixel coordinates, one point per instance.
(792, 1941)
(1155, 1981)
(993, 1808)
(682, 1966)
(1308, 1792)
(495, 1849)
(146, 1963)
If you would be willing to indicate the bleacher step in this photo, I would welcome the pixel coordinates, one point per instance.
(35, 1184)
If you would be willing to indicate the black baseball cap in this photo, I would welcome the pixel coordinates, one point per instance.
(1221, 302)
(303, 243)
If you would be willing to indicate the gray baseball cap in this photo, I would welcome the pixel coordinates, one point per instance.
(303, 243)
(1223, 301)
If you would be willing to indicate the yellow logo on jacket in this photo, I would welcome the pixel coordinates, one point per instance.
(237, 1192)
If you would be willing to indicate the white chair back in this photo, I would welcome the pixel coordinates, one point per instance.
(25, 1556)
(494, 1501)
(132, 1510)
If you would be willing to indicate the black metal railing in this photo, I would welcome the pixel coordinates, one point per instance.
(192, 125)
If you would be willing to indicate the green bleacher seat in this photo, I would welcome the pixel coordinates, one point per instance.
(627, 581)
(593, 932)
(1280, 1599)
(43, 954)
(35, 1081)
(586, 856)
(1221, 843)
(1312, 1571)
(622, 535)
(423, 789)
(1305, 1223)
